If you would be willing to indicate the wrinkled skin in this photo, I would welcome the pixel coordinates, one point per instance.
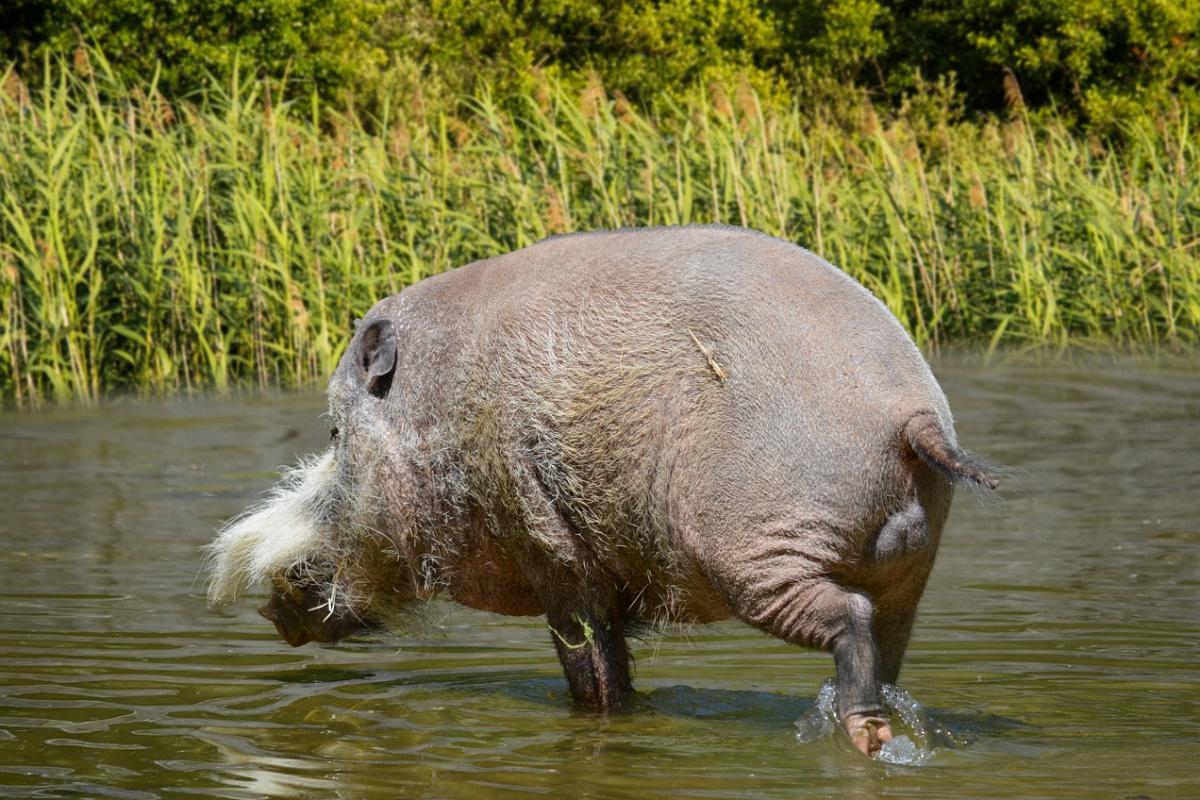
(681, 424)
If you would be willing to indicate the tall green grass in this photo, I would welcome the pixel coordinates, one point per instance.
(226, 239)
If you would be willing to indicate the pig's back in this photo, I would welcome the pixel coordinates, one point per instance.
(628, 363)
(787, 328)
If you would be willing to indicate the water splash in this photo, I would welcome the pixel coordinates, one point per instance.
(822, 720)
(916, 734)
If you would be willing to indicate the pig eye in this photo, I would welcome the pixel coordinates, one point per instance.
(333, 434)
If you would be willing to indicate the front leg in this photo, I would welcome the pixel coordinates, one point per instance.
(591, 647)
(583, 607)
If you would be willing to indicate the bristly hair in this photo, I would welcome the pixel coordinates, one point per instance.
(933, 447)
(277, 536)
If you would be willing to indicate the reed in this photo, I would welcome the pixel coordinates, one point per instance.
(227, 238)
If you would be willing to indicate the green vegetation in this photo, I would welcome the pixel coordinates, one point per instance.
(314, 42)
(229, 238)
(1103, 60)
(212, 202)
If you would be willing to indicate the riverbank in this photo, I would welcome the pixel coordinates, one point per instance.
(163, 246)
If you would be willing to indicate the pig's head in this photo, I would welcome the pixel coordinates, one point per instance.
(330, 541)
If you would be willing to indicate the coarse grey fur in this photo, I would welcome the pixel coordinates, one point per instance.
(681, 424)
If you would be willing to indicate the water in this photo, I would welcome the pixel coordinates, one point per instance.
(1055, 656)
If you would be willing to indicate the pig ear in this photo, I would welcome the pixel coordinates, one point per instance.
(377, 355)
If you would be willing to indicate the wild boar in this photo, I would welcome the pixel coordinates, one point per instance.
(668, 424)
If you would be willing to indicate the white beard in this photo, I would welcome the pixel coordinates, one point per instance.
(276, 536)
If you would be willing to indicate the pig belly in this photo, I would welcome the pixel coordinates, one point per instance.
(488, 579)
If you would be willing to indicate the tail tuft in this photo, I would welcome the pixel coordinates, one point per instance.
(927, 440)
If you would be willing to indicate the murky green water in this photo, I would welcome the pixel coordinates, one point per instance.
(1056, 654)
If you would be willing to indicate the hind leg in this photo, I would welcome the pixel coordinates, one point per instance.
(789, 599)
(842, 622)
(895, 613)
(892, 633)
(903, 552)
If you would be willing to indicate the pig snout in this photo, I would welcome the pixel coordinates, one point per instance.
(301, 615)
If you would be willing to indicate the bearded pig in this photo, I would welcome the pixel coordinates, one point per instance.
(668, 424)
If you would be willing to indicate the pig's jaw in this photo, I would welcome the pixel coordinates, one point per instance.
(278, 536)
